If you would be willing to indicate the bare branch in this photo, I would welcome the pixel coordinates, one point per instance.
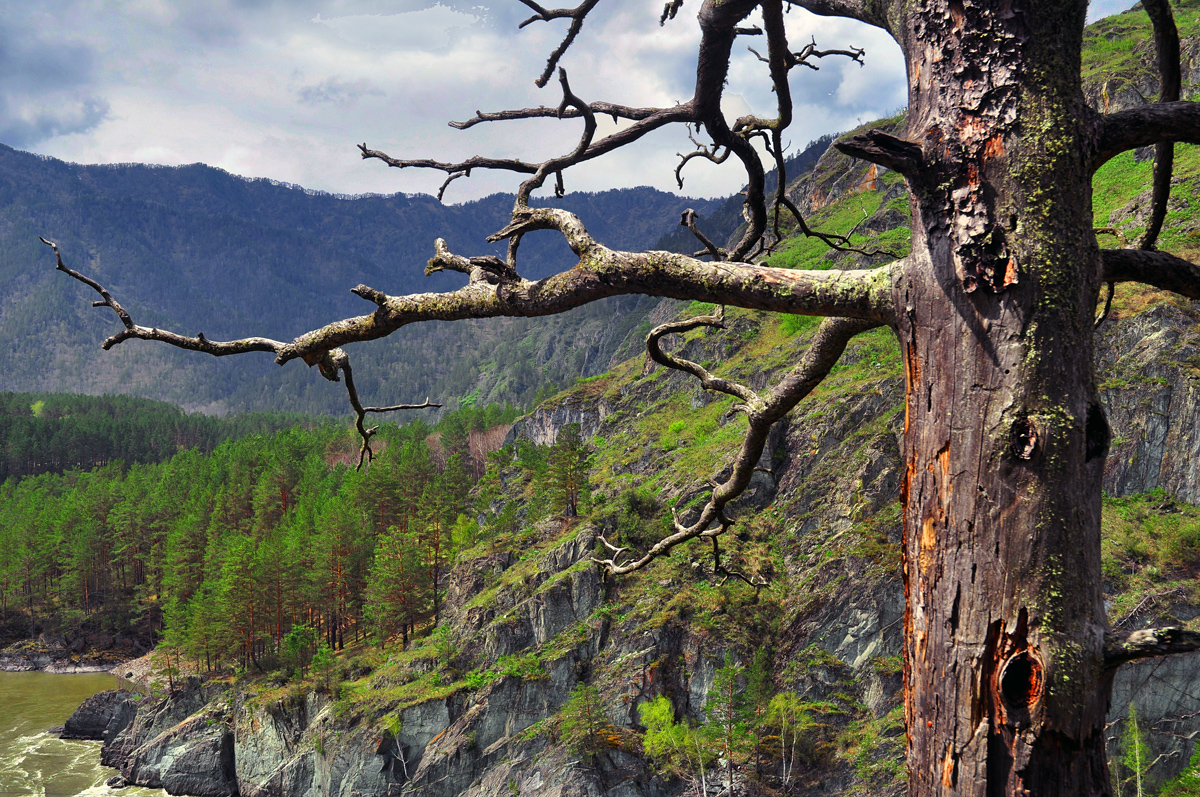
(701, 151)
(688, 219)
(454, 176)
(707, 380)
(505, 164)
(544, 112)
(328, 362)
(1148, 643)
(885, 149)
(840, 243)
(872, 12)
(132, 330)
(576, 15)
(1166, 41)
(1146, 125)
(763, 411)
(810, 51)
(556, 165)
(758, 582)
(1159, 269)
(340, 361)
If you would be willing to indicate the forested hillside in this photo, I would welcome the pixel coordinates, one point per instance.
(196, 248)
(224, 551)
(54, 432)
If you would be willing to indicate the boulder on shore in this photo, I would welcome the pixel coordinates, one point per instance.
(102, 716)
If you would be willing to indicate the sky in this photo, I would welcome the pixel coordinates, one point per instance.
(285, 89)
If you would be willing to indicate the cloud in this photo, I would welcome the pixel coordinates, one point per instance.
(337, 92)
(428, 29)
(47, 89)
(28, 124)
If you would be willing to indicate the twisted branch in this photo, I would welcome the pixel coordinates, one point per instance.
(342, 361)
(1166, 42)
(762, 411)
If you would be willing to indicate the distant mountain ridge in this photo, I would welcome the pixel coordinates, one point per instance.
(195, 248)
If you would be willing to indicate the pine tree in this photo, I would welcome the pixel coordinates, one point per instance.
(569, 464)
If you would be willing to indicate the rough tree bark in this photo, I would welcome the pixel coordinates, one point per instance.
(1008, 658)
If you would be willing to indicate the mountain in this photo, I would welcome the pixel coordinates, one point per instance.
(197, 249)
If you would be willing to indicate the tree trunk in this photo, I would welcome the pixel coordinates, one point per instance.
(1004, 435)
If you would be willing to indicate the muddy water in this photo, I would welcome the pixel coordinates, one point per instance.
(34, 763)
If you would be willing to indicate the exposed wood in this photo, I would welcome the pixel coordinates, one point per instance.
(1148, 643)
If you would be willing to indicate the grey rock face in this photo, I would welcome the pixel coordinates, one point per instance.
(543, 424)
(102, 716)
(194, 757)
(1166, 693)
(1152, 395)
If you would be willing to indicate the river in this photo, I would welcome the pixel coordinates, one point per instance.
(33, 763)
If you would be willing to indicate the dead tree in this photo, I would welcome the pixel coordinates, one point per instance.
(1008, 656)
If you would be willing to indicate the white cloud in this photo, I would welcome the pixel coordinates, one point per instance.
(285, 88)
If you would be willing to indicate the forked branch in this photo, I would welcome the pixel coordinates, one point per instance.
(341, 361)
(576, 15)
(762, 411)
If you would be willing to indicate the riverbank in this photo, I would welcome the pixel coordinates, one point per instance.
(48, 653)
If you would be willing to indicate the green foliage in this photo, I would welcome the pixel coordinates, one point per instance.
(569, 464)
(324, 666)
(581, 722)
(1187, 782)
(249, 554)
(1134, 761)
(677, 748)
(792, 324)
(298, 646)
(52, 433)
(526, 666)
(729, 717)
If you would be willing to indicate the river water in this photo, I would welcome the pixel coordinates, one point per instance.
(34, 763)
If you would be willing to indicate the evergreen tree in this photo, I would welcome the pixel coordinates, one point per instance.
(569, 464)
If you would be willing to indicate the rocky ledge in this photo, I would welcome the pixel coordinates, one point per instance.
(56, 654)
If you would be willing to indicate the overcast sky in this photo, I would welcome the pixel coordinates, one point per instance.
(285, 88)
